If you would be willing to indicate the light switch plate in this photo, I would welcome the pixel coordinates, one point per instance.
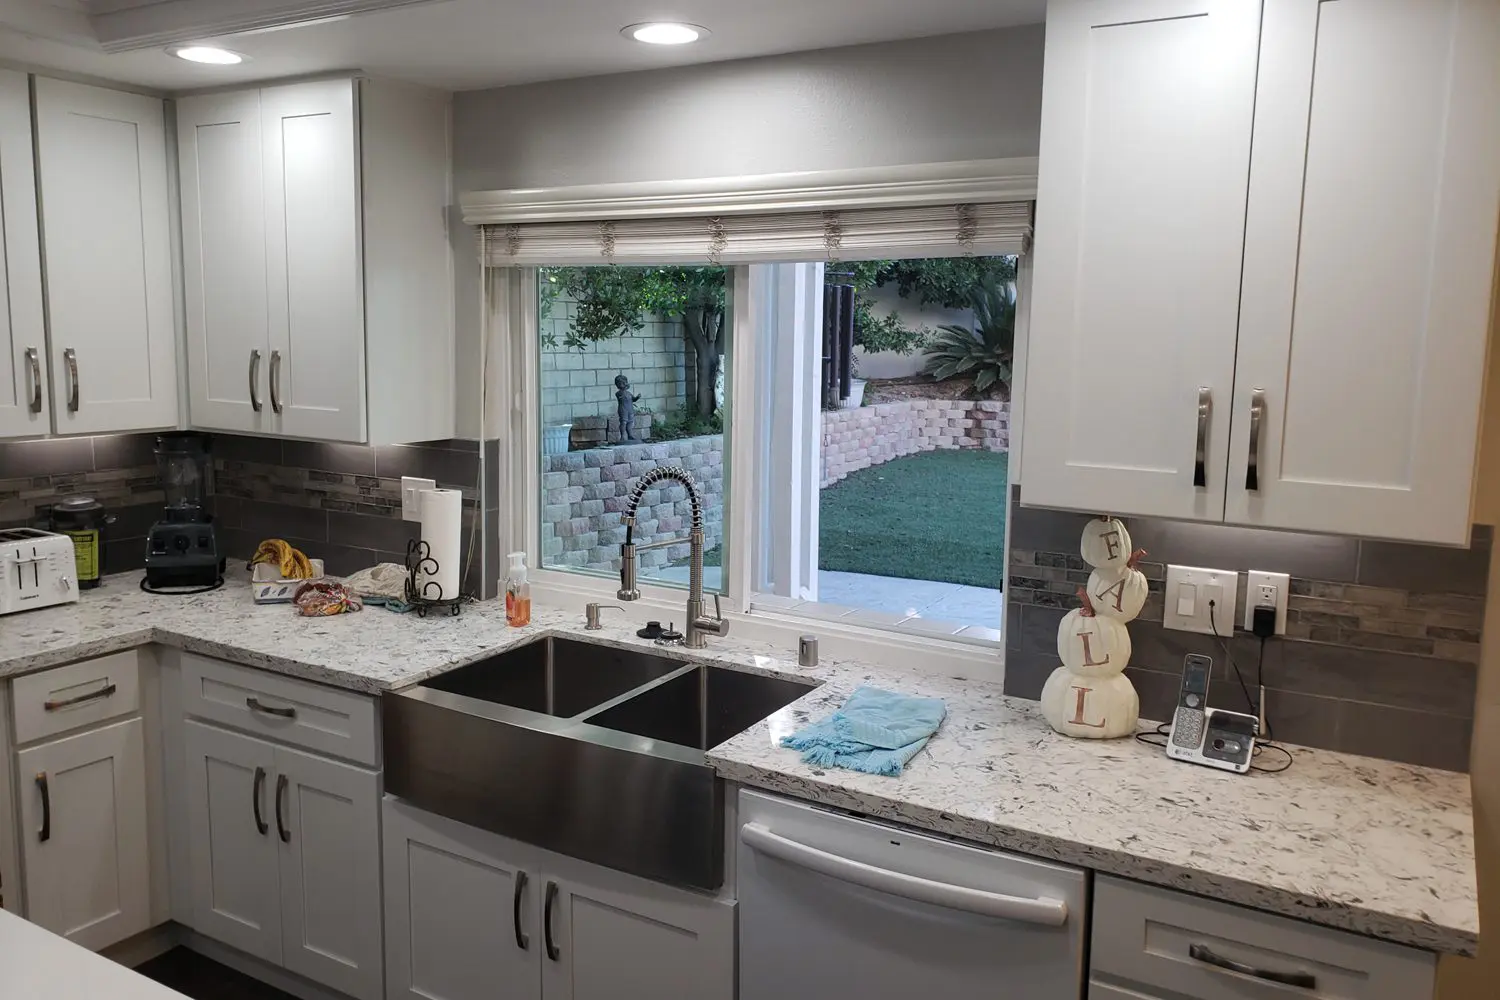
(411, 509)
(1269, 589)
(1189, 589)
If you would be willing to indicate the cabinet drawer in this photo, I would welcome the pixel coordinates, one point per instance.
(323, 719)
(80, 694)
(1144, 934)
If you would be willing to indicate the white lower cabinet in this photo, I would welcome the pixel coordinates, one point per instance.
(285, 857)
(83, 834)
(473, 915)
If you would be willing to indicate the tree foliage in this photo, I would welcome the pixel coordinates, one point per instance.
(987, 350)
(949, 282)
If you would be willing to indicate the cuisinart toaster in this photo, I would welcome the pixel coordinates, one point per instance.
(37, 570)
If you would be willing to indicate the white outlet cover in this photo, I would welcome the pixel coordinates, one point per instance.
(1189, 589)
(411, 510)
(1253, 598)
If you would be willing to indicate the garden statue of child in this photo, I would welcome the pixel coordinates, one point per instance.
(625, 404)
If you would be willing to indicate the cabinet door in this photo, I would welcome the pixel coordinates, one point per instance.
(1145, 147)
(617, 937)
(327, 816)
(232, 839)
(1369, 257)
(224, 261)
(313, 259)
(83, 835)
(463, 918)
(102, 160)
(23, 345)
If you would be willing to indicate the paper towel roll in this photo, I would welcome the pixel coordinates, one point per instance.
(441, 512)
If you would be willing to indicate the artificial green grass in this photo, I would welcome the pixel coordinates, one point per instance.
(938, 515)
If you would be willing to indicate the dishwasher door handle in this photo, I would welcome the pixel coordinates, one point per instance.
(1045, 911)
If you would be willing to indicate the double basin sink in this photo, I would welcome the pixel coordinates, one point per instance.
(588, 750)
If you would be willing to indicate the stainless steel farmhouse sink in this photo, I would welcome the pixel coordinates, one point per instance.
(588, 750)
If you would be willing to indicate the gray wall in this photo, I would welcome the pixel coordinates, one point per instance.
(954, 97)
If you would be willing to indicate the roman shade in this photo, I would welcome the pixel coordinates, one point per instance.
(937, 230)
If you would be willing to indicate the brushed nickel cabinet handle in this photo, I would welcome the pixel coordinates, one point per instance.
(1200, 454)
(1257, 413)
(276, 381)
(45, 834)
(1303, 980)
(256, 786)
(70, 357)
(254, 379)
(36, 379)
(253, 703)
(553, 951)
(78, 699)
(281, 830)
(523, 941)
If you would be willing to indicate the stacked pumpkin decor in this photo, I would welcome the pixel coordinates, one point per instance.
(1089, 695)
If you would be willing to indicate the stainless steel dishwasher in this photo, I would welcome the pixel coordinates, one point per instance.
(831, 905)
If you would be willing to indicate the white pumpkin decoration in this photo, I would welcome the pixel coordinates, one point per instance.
(1101, 708)
(1119, 595)
(1106, 544)
(1093, 645)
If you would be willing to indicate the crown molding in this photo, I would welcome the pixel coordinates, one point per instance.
(806, 191)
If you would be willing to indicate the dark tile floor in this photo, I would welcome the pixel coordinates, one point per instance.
(202, 978)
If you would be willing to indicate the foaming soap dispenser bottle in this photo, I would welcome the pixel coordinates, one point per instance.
(517, 592)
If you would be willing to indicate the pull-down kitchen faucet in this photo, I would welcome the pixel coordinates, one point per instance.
(698, 624)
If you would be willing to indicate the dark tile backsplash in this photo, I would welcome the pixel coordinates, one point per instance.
(340, 503)
(1382, 643)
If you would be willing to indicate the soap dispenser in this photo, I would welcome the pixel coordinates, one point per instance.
(517, 592)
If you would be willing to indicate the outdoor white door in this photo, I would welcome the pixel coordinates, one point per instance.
(224, 261)
(616, 937)
(1145, 148)
(23, 344)
(1369, 257)
(102, 162)
(327, 819)
(463, 918)
(232, 838)
(313, 259)
(83, 835)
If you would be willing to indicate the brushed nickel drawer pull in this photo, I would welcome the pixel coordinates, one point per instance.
(78, 699)
(283, 713)
(45, 834)
(36, 379)
(276, 381)
(1257, 414)
(254, 379)
(256, 786)
(1200, 454)
(1302, 980)
(70, 357)
(281, 830)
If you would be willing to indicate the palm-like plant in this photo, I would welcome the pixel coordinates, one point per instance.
(987, 349)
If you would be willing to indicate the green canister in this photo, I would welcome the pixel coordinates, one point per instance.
(82, 519)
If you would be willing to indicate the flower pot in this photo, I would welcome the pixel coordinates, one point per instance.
(856, 395)
(555, 438)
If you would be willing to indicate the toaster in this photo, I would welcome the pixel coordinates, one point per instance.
(37, 570)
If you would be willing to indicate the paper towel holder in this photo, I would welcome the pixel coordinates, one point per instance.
(427, 598)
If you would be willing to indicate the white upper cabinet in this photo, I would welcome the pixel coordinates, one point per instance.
(1369, 256)
(1310, 253)
(300, 203)
(23, 343)
(102, 166)
(224, 261)
(1145, 148)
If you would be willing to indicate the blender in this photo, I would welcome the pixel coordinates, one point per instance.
(182, 550)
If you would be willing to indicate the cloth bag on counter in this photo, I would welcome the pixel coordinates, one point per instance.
(875, 731)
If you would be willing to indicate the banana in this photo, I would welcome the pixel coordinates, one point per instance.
(290, 562)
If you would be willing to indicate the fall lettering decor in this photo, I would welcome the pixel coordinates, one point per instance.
(1089, 695)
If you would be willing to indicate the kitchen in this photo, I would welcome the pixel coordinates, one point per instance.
(1383, 855)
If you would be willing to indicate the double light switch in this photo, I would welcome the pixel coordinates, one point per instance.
(1201, 600)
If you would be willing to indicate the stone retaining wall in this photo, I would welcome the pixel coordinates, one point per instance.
(872, 435)
(584, 494)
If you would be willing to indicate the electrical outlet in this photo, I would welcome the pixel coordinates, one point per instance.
(1189, 592)
(411, 508)
(1267, 590)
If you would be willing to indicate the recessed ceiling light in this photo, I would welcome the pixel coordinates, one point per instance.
(210, 54)
(665, 32)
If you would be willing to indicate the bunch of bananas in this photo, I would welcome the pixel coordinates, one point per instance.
(292, 564)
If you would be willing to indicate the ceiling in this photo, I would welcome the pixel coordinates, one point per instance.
(473, 44)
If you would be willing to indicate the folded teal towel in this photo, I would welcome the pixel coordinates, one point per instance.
(875, 731)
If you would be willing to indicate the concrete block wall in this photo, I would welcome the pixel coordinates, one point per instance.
(872, 435)
(584, 496)
(579, 385)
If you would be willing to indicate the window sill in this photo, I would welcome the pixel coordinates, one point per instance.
(914, 625)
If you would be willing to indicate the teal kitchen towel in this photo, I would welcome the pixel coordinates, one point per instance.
(875, 731)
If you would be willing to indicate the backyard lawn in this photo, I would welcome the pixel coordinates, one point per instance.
(939, 515)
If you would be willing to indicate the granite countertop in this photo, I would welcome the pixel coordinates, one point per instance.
(1355, 843)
